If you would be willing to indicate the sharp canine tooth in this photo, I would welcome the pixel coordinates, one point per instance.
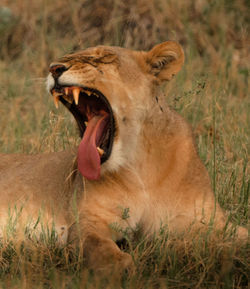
(86, 123)
(100, 151)
(76, 92)
(56, 100)
(56, 95)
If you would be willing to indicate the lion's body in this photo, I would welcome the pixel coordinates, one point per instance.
(154, 170)
(32, 187)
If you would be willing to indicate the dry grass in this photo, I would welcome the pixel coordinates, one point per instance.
(211, 92)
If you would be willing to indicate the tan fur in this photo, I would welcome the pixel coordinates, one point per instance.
(154, 169)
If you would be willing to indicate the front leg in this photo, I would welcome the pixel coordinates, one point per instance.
(104, 256)
(99, 240)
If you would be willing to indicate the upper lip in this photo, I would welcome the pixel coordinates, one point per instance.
(75, 98)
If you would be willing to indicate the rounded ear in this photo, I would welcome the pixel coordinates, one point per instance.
(165, 60)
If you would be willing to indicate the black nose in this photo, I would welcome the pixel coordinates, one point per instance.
(57, 69)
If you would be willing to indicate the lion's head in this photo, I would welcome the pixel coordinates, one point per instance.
(111, 91)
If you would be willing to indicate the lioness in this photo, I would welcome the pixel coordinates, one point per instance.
(136, 154)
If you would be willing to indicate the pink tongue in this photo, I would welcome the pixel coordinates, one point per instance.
(89, 161)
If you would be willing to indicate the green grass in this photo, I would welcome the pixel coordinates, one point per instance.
(211, 92)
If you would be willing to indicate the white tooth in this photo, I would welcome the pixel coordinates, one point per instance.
(87, 92)
(95, 94)
(76, 92)
(86, 123)
(100, 151)
(66, 89)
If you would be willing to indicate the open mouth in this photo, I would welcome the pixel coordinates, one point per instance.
(95, 120)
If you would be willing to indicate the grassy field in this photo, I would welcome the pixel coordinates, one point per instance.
(211, 92)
